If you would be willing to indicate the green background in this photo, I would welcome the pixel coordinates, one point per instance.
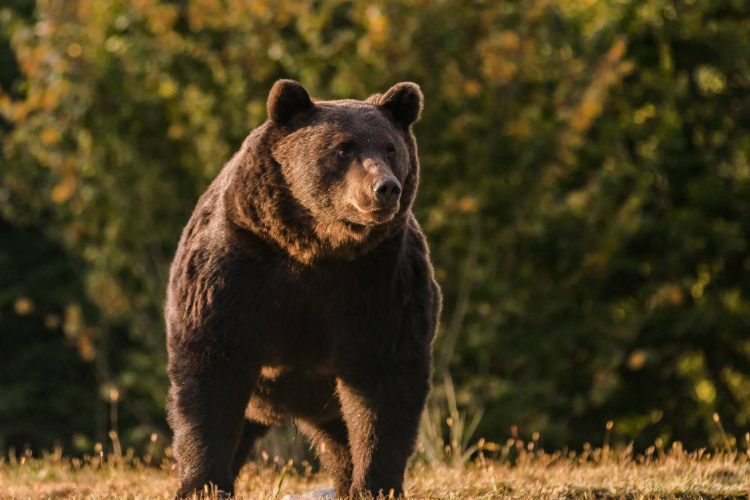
(585, 192)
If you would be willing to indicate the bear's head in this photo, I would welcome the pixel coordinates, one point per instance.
(349, 168)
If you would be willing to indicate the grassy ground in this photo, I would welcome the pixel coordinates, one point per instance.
(595, 475)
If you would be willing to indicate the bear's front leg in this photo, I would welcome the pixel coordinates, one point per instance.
(206, 407)
(382, 404)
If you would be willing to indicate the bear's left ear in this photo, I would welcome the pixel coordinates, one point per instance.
(286, 99)
(403, 101)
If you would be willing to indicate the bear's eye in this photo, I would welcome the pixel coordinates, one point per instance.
(390, 152)
(345, 150)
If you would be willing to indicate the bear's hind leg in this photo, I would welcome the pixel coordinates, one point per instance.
(332, 446)
(251, 433)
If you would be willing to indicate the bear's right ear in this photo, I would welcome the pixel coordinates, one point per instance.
(287, 98)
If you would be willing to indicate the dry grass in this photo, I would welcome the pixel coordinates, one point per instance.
(596, 474)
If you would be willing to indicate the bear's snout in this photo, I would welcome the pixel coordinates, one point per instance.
(387, 190)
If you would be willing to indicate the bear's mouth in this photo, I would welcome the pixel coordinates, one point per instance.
(372, 218)
(355, 227)
(365, 219)
(379, 216)
(382, 213)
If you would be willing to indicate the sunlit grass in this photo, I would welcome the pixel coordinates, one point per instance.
(515, 472)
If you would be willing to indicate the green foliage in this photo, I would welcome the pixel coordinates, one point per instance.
(459, 449)
(586, 188)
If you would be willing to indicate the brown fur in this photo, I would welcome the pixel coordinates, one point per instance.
(298, 291)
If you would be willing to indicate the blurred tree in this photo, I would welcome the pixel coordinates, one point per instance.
(585, 186)
(48, 388)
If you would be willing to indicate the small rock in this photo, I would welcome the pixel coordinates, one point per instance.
(324, 493)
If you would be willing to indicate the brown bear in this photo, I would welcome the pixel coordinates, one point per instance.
(302, 288)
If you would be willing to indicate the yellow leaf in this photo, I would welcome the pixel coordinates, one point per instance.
(175, 131)
(167, 89)
(637, 359)
(617, 50)
(75, 50)
(50, 136)
(23, 306)
(472, 88)
(64, 190)
(468, 204)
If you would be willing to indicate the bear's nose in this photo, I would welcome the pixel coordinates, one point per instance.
(387, 189)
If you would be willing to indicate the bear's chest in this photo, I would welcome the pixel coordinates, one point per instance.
(299, 316)
(303, 315)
